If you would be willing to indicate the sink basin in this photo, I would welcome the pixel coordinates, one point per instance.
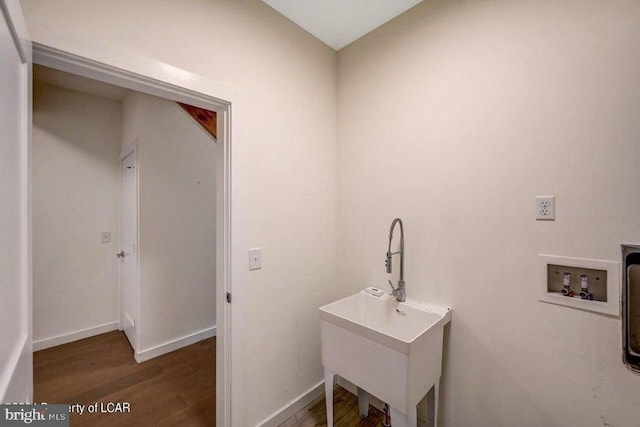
(392, 350)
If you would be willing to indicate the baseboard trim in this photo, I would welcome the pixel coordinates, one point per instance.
(13, 380)
(289, 410)
(176, 344)
(75, 336)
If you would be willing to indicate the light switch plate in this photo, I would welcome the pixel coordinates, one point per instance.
(105, 237)
(255, 258)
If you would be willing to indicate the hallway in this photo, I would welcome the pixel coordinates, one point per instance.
(177, 388)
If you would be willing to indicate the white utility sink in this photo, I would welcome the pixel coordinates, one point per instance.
(389, 349)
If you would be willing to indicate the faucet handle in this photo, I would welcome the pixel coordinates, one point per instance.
(391, 284)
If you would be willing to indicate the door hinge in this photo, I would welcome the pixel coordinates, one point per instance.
(229, 297)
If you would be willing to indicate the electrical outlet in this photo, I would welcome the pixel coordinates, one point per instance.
(545, 208)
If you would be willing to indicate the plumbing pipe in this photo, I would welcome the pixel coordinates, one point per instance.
(566, 282)
(386, 422)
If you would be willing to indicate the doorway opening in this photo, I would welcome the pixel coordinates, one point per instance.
(125, 240)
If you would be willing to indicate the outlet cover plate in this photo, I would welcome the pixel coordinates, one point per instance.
(545, 208)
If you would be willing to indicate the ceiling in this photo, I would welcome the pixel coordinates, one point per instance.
(340, 22)
(77, 83)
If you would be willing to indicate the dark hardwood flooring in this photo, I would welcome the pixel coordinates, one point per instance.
(176, 389)
(345, 413)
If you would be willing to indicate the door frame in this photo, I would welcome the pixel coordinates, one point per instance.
(16, 377)
(129, 149)
(166, 81)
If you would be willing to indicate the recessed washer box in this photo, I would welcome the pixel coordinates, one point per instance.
(603, 277)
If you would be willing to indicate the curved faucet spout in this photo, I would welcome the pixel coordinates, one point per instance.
(398, 292)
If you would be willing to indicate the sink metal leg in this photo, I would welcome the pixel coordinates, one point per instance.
(363, 403)
(436, 394)
(412, 417)
(328, 394)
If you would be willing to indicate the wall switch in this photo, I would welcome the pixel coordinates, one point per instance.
(545, 208)
(255, 258)
(105, 237)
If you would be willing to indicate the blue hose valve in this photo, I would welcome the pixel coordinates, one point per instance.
(584, 286)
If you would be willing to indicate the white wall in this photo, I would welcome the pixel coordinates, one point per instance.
(177, 210)
(76, 197)
(454, 116)
(288, 81)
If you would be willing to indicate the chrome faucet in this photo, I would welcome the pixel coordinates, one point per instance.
(398, 292)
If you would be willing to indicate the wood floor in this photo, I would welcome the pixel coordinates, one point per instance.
(177, 389)
(345, 413)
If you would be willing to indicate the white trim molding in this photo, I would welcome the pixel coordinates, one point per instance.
(57, 340)
(16, 376)
(291, 408)
(129, 147)
(12, 384)
(176, 344)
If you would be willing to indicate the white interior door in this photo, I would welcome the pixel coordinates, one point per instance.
(128, 254)
(16, 367)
